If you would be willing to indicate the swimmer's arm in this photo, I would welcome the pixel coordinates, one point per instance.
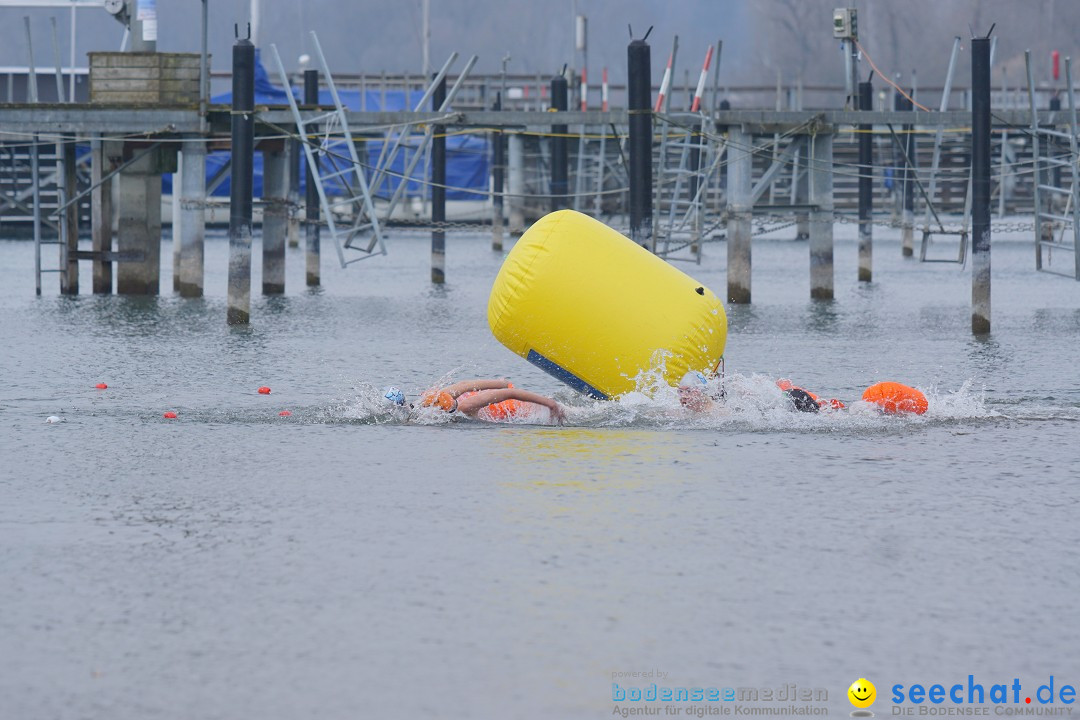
(474, 403)
(465, 386)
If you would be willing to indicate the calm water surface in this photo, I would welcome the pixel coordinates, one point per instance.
(342, 563)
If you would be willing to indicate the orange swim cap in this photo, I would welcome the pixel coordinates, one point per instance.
(443, 400)
(895, 398)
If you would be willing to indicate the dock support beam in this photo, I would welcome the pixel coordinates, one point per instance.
(740, 215)
(275, 222)
(101, 216)
(516, 182)
(438, 192)
(980, 185)
(69, 277)
(192, 216)
(293, 151)
(821, 217)
(139, 225)
(866, 187)
(639, 104)
(311, 194)
(560, 161)
(498, 173)
(243, 152)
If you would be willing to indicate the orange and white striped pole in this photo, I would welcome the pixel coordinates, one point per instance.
(603, 91)
(584, 90)
(700, 90)
(664, 84)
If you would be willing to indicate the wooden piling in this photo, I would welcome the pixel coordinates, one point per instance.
(275, 218)
(193, 216)
(980, 185)
(821, 217)
(243, 150)
(101, 216)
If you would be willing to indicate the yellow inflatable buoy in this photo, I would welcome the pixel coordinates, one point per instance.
(592, 308)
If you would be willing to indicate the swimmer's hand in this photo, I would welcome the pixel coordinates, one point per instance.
(558, 413)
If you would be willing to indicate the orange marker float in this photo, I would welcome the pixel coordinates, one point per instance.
(264, 390)
(170, 415)
(101, 386)
(896, 398)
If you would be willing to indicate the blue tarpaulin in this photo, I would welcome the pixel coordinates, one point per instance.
(467, 156)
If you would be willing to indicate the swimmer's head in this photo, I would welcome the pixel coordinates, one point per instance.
(440, 399)
(691, 391)
(394, 396)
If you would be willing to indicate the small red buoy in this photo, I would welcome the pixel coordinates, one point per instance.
(284, 413)
(170, 415)
(264, 390)
(101, 386)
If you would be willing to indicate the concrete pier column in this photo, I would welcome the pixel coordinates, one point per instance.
(498, 173)
(740, 214)
(139, 226)
(101, 216)
(177, 220)
(821, 217)
(980, 184)
(275, 224)
(516, 181)
(312, 246)
(866, 187)
(240, 183)
(192, 217)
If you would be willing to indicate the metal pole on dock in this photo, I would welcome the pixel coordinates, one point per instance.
(560, 184)
(498, 172)
(907, 180)
(193, 216)
(275, 219)
(311, 193)
(100, 217)
(35, 178)
(980, 182)
(243, 151)
(740, 214)
(821, 216)
(639, 108)
(866, 186)
(516, 182)
(438, 192)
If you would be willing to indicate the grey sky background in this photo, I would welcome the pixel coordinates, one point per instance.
(760, 36)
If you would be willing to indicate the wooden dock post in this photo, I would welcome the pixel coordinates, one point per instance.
(275, 220)
(821, 216)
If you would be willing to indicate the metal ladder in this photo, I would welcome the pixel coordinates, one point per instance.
(927, 233)
(349, 168)
(1046, 220)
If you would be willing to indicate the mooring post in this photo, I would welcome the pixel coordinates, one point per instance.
(101, 216)
(438, 192)
(980, 185)
(639, 108)
(821, 216)
(69, 278)
(740, 214)
(498, 172)
(560, 184)
(801, 192)
(292, 154)
(241, 180)
(311, 193)
(907, 184)
(275, 220)
(516, 182)
(192, 215)
(866, 186)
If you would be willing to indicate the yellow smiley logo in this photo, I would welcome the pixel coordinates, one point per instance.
(862, 693)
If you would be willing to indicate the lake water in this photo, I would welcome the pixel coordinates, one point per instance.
(344, 563)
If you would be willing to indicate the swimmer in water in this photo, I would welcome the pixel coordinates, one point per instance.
(491, 400)
(695, 394)
(891, 398)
